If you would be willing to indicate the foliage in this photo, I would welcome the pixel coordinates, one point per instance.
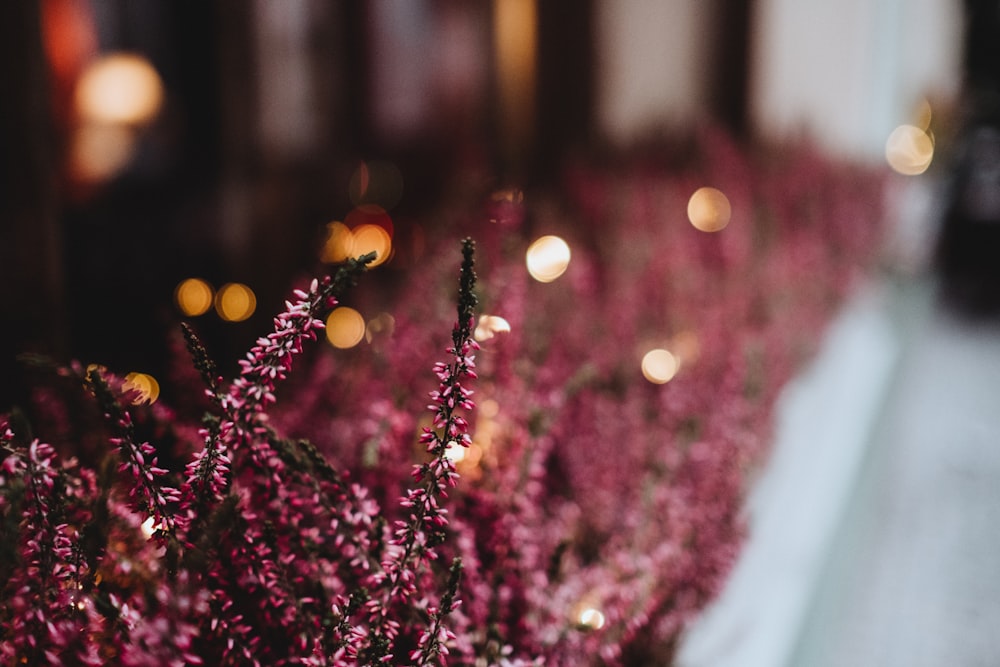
(327, 518)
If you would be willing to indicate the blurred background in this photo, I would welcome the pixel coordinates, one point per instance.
(144, 143)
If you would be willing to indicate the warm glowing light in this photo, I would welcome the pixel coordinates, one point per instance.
(119, 88)
(339, 244)
(489, 326)
(467, 459)
(686, 347)
(148, 527)
(370, 214)
(345, 327)
(145, 385)
(591, 619)
(235, 302)
(547, 258)
(659, 366)
(372, 238)
(924, 115)
(380, 327)
(515, 33)
(709, 210)
(193, 296)
(456, 453)
(909, 150)
(489, 408)
(376, 182)
(98, 152)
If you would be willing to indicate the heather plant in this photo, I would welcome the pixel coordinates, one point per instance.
(598, 512)
(257, 552)
(365, 511)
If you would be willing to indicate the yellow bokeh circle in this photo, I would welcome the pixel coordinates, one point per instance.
(235, 302)
(345, 327)
(547, 258)
(709, 210)
(193, 297)
(659, 366)
(146, 386)
(372, 238)
(909, 150)
(119, 88)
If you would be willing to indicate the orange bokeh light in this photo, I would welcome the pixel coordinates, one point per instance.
(709, 210)
(193, 296)
(547, 258)
(345, 327)
(119, 88)
(235, 302)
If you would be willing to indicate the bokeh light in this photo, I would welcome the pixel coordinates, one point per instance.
(193, 297)
(686, 347)
(380, 328)
(235, 302)
(709, 210)
(366, 229)
(145, 385)
(659, 366)
(515, 42)
(372, 238)
(468, 460)
(119, 88)
(370, 214)
(376, 182)
(547, 258)
(345, 327)
(591, 619)
(148, 527)
(98, 152)
(909, 150)
(456, 453)
(489, 326)
(339, 244)
(489, 408)
(924, 115)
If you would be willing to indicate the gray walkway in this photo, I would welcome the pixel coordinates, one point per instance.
(875, 530)
(913, 577)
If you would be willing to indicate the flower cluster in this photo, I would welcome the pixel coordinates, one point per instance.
(573, 514)
(149, 496)
(599, 512)
(412, 547)
(263, 554)
(48, 607)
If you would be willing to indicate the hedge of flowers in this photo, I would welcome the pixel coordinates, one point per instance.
(419, 500)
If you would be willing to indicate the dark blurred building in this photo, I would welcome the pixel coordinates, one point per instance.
(268, 110)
